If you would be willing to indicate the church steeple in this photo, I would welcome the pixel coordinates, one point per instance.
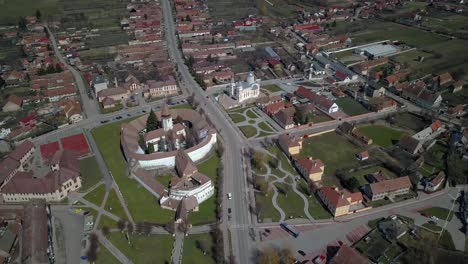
(166, 118)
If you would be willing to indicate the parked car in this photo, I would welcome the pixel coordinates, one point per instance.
(301, 252)
(229, 210)
(434, 217)
(118, 118)
(432, 222)
(229, 196)
(104, 121)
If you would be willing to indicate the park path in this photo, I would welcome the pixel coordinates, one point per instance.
(98, 217)
(178, 247)
(112, 249)
(254, 122)
(123, 203)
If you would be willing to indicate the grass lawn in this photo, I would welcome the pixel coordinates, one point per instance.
(252, 122)
(359, 175)
(97, 195)
(90, 173)
(284, 160)
(319, 117)
(316, 210)
(104, 256)
(248, 131)
(342, 155)
(291, 203)
(114, 203)
(263, 134)
(193, 255)
(267, 210)
(164, 180)
(350, 106)
(237, 118)
(251, 114)
(107, 221)
(210, 166)
(439, 212)
(432, 227)
(427, 170)
(141, 203)
(410, 121)
(272, 88)
(144, 249)
(446, 241)
(265, 127)
(181, 106)
(206, 213)
(381, 135)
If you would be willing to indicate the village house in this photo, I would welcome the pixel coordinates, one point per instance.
(364, 67)
(160, 89)
(117, 94)
(72, 110)
(290, 145)
(458, 86)
(320, 101)
(285, 117)
(435, 183)
(311, 169)
(348, 255)
(361, 137)
(419, 94)
(382, 104)
(340, 202)
(363, 155)
(388, 188)
(55, 95)
(14, 103)
(268, 100)
(410, 145)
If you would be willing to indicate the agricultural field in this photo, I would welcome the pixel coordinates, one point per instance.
(11, 10)
(230, 10)
(446, 23)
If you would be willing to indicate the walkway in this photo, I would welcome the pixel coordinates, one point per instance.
(252, 119)
(178, 248)
(112, 249)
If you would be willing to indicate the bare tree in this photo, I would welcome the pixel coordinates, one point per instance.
(121, 225)
(105, 231)
(130, 227)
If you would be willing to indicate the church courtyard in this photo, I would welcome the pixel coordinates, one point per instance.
(252, 122)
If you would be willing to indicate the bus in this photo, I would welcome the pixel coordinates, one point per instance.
(290, 230)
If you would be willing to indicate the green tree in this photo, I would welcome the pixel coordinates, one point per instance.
(50, 69)
(2, 81)
(269, 256)
(142, 143)
(287, 256)
(38, 14)
(258, 159)
(161, 145)
(150, 148)
(152, 122)
(22, 23)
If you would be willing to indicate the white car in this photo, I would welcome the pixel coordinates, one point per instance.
(229, 196)
(434, 217)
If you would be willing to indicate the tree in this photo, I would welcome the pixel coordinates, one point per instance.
(258, 159)
(121, 225)
(269, 256)
(201, 244)
(334, 23)
(187, 18)
(274, 162)
(261, 184)
(150, 148)
(22, 23)
(286, 256)
(161, 145)
(179, 120)
(2, 82)
(58, 68)
(129, 227)
(50, 69)
(38, 14)
(145, 16)
(152, 122)
(142, 143)
(105, 231)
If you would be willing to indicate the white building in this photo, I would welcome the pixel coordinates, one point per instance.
(243, 90)
(170, 134)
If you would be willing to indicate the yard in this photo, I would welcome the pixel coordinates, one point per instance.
(319, 117)
(410, 121)
(251, 114)
(90, 173)
(382, 135)
(106, 221)
(164, 179)
(140, 202)
(335, 152)
(193, 245)
(97, 195)
(144, 249)
(248, 131)
(11, 10)
(350, 106)
(439, 212)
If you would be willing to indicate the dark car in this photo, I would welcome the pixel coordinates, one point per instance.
(144, 111)
(129, 114)
(104, 121)
(301, 252)
(432, 222)
(267, 230)
(229, 210)
(118, 118)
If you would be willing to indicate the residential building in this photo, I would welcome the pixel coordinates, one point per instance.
(311, 169)
(244, 90)
(388, 188)
(117, 94)
(458, 86)
(435, 183)
(289, 144)
(410, 145)
(348, 255)
(14, 103)
(268, 100)
(72, 110)
(161, 89)
(55, 95)
(320, 101)
(363, 155)
(285, 117)
(340, 202)
(37, 246)
(382, 104)
(99, 83)
(361, 137)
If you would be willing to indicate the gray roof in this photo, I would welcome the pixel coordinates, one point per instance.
(323, 60)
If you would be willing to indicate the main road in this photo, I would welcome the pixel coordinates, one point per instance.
(234, 179)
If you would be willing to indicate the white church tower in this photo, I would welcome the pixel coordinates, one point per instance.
(166, 118)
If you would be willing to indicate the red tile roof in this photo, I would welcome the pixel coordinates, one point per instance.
(21, 150)
(348, 255)
(311, 165)
(76, 143)
(390, 185)
(339, 198)
(436, 125)
(15, 99)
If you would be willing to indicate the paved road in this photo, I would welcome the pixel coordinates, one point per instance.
(90, 107)
(235, 181)
(72, 232)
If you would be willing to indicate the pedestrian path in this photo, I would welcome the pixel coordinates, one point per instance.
(178, 248)
(112, 249)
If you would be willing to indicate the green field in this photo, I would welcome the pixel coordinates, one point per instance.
(144, 249)
(192, 254)
(97, 195)
(284, 160)
(106, 221)
(251, 114)
(273, 88)
(291, 203)
(267, 210)
(439, 212)
(334, 151)
(114, 206)
(181, 106)
(142, 205)
(265, 127)
(104, 256)
(319, 117)
(248, 131)
(381, 135)
(210, 166)
(90, 173)
(237, 118)
(410, 121)
(350, 106)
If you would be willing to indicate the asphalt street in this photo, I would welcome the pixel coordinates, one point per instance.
(235, 181)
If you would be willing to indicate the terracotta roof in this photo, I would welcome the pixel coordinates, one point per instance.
(21, 150)
(314, 98)
(108, 101)
(438, 179)
(444, 78)
(348, 255)
(286, 116)
(165, 111)
(111, 92)
(7, 166)
(364, 154)
(273, 108)
(340, 198)
(184, 164)
(288, 141)
(436, 125)
(459, 83)
(390, 185)
(15, 99)
(311, 165)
